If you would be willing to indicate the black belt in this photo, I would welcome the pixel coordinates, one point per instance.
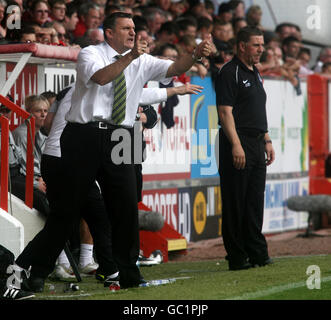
(100, 125)
(251, 134)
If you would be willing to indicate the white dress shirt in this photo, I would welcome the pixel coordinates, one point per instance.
(52, 146)
(93, 102)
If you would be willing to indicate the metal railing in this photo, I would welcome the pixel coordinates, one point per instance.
(4, 122)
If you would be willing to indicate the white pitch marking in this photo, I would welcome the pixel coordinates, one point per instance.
(273, 290)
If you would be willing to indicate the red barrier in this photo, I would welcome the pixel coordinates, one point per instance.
(318, 134)
(29, 156)
(4, 163)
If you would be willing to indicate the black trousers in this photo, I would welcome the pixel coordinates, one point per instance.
(40, 201)
(243, 200)
(87, 155)
(93, 212)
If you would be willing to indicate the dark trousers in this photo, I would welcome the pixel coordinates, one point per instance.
(86, 154)
(40, 201)
(243, 200)
(93, 212)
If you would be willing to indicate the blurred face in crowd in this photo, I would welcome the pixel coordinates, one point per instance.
(59, 11)
(226, 16)
(240, 24)
(251, 51)
(239, 11)
(223, 32)
(327, 69)
(61, 32)
(278, 54)
(190, 31)
(170, 54)
(97, 36)
(292, 50)
(39, 110)
(2, 12)
(163, 4)
(41, 13)
(92, 19)
(304, 58)
(155, 24)
(326, 57)
(285, 32)
(177, 8)
(28, 38)
(71, 22)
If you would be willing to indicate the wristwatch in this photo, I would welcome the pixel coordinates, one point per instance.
(267, 141)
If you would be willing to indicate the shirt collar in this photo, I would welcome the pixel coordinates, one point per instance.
(237, 60)
(111, 53)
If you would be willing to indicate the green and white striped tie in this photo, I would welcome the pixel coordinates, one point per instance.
(118, 114)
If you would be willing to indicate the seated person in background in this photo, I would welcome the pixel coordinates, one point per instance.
(28, 35)
(17, 167)
(326, 69)
(38, 107)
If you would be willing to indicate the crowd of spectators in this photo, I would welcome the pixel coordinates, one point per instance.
(182, 23)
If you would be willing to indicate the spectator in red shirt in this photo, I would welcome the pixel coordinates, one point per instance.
(89, 18)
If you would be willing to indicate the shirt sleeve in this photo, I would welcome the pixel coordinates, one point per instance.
(88, 63)
(157, 69)
(226, 88)
(153, 95)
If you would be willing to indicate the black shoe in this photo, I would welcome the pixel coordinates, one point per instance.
(242, 266)
(33, 284)
(263, 263)
(133, 284)
(15, 294)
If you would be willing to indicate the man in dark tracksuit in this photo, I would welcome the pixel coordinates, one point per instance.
(245, 149)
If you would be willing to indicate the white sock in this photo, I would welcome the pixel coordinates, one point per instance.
(63, 260)
(86, 254)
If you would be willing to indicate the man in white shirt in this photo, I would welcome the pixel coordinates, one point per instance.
(90, 150)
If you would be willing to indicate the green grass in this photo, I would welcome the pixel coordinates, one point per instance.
(211, 280)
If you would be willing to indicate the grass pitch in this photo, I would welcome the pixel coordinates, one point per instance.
(287, 279)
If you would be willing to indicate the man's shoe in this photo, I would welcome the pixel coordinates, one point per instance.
(61, 272)
(143, 261)
(34, 284)
(133, 284)
(89, 269)
(15, 294)
(243, 266)
(263, 263)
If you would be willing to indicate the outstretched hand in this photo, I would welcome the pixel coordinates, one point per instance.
(188, 88)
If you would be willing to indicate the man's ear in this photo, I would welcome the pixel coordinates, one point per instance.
(242, 46)
(108, 33)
